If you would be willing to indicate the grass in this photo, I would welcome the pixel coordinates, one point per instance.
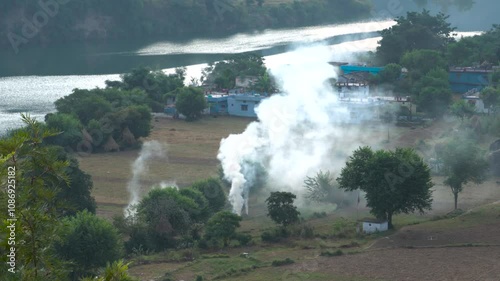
(192, 155)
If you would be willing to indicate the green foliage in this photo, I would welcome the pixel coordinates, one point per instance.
(85, 104)
(69, 127)
(320, 188)
(89, 243)
(394, 181)
(224, 73)
(390, 74)
(490, 97)
(40, 174)
(190, 102)
(463, 162)
(462, 109)
(331, 254)
(222, 226)
(76, 195)
(134, 19)
(116, 271)
(433, 93)
(201, 214)
(286, 261)
(476, 50)
(421, 62)
(415, 31)
(103, 113)
(280, 208)
(213, 192)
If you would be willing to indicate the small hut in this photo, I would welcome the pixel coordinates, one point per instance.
(127, 137)
(87, 137)
(374, 225)
(111, 145)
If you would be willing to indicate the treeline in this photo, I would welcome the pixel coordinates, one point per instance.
(422, 44)
(55, 21)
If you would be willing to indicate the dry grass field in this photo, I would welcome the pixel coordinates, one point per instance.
(423, 247)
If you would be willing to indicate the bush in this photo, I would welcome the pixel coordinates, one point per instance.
(332, 254)
(306, 231)
(199, 278)
(282, 262)
(274, 235)
(244, 239)
(89, 242)
(317, 215)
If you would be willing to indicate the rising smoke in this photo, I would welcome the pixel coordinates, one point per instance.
(149, 151)
(298, 133)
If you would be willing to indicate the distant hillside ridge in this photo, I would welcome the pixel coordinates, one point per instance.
(46, 22)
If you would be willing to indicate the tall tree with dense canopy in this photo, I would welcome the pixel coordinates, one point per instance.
(415, 31)
(39, 175)
(89, 243)
(394, 181)
(280, 208)
(222, 226)
(463, 162)
(190, 102)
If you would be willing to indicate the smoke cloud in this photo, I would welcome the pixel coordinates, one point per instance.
(149, 151)
(298, 133)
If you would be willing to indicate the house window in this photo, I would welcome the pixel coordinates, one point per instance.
(244, 107)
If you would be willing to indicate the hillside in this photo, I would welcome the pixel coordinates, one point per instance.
(97, 21)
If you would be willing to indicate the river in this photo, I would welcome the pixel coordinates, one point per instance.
(34, 78)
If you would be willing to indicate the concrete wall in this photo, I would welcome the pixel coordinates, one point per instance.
(370, 227)
(243, 105)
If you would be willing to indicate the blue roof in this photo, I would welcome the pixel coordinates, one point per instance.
(357, 68)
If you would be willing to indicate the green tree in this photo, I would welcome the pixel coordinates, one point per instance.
(463, 162)
(421, 62)
(40, 173)
(190, 102)
(222, 226)
(202, 212)
(89, 243)
(116, 271)
(433, 93)
(76, 195)
(320, 188)
(86, 104)
(69, 127)
(162, 215)
(394, 181)
(413, 32)
(390, 74)
(462, 109)
(213, 192)
(490, 97)
(280, 208)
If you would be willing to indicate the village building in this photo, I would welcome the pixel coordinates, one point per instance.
(374, 225)
(464, 79)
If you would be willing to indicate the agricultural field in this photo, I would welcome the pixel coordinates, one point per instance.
(433, 246)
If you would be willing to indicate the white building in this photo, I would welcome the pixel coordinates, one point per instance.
(373, 225)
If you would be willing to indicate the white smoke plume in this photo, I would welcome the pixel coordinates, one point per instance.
(298, 133)
(149, 151)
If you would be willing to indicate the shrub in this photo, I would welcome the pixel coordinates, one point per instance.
(244, 239)
(282, 262)
(332, 254)
(306, 231)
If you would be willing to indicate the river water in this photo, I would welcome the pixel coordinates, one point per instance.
(34, 78)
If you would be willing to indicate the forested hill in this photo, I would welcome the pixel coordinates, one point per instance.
(45, 22)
